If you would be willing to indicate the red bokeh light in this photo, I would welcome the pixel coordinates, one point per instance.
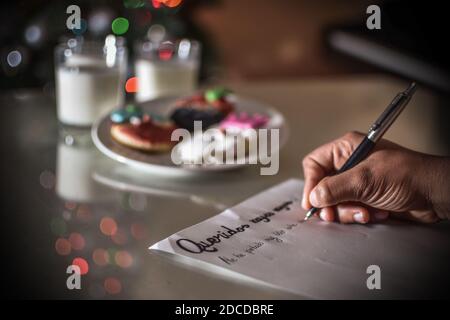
(123, 259)
(84, 213)
(170, 3)
(77, 241)
(100, 257)
(166, 52)
(120, 237)
(63, 247)
(108, 226)
(82, 264)
(112, 285)
(131, 85)
(156, 4)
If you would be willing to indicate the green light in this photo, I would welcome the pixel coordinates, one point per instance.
(120, 25)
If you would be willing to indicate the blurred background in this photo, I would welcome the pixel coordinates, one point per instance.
(314, 60)
(246, 40)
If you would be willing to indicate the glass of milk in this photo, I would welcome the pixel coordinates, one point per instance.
(90, 79)
(166, 68)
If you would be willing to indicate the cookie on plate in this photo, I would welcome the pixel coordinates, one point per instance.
(209, 107)
(147, 135)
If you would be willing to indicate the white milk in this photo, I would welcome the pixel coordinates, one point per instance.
(157, 79)
(86, 90)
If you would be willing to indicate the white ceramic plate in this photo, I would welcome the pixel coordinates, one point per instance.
(162, 162)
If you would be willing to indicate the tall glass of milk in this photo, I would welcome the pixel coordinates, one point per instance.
(166, 68)
(89, 79)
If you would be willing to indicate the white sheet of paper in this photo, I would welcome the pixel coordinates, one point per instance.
(263, 238)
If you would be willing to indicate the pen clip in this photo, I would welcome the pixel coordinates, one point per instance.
(391, 113)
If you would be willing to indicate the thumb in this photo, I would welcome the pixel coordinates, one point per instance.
(346, 186)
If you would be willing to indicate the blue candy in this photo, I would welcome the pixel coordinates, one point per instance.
(119, 116)
(124, 115)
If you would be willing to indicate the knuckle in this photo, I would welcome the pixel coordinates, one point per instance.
(352, 138)
(342, 151)
(306, 162)
(362, 183)
(352, 135)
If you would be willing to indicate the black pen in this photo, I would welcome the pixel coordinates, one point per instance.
(376, 132)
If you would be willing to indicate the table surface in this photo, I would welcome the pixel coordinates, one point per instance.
(56, 190)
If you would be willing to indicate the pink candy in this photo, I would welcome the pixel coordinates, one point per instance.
(244, 121)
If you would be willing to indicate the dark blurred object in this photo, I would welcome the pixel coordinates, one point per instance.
(410, 42)
(31, 29)
(265, 40)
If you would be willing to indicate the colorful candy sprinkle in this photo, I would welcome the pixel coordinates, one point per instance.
(125, 115)
(242, 121)
(118, 116)
(216, 94)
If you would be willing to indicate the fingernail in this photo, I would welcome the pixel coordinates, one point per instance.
(323, 216)
(358, 217)
(381, 215)
(304, 203)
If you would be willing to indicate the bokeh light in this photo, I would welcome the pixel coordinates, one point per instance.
(156, 33)
(156, 4)
(99, 20)
(108, 226)
(84, 214)
(82, 264)
(14, 58)
(184, 48)
(119, 237)
(47, 179)
(63, 247)
(120, 26)
(69, 140)
(58, 226)
(137, 202)
(166, 3)
(112, 285)
(100, 257)
(166, 51)
(131, 85)
(67, 215)
(138, 231)
(69, 205)
(33, 34)
(82, 29)
(123, 259)
(171, 3)
(71, 43)
(77, 241)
